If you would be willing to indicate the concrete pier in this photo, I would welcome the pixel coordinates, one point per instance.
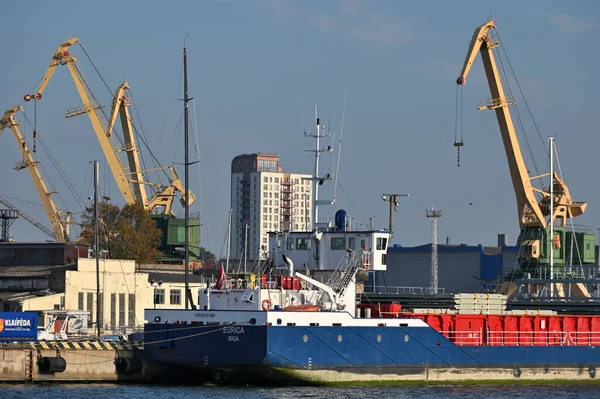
(75, 362)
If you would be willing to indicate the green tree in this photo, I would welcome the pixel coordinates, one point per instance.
(127, 233)
(206, 256)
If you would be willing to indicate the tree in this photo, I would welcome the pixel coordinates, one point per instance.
(127, 233)
(206, 256)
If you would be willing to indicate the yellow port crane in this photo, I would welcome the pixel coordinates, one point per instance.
(60, 227)
(538, 246)
(531, 211)
(132, 184)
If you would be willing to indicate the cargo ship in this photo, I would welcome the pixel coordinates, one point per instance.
(295, 329)
(296, 320)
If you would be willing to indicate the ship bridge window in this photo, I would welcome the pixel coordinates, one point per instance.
(352, 243)
(338, 243)
(381, 243)
(303, 244)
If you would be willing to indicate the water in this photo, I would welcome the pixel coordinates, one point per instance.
(98, 391)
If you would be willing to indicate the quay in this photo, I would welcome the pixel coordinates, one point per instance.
(76, 361)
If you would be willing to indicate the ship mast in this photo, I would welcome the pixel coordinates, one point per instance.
(317, 181)
(186, 99)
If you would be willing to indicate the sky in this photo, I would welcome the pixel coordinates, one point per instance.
(258, 68)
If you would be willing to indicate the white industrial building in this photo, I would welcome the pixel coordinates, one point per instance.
(126, 288)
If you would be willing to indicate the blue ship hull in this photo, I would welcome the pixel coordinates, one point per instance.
(245, 350)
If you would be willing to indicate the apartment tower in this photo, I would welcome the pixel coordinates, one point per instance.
(265, 199)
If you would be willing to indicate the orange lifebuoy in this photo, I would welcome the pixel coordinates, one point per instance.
(266, 304)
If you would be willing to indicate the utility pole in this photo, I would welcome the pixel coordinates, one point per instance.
(394, 201)
(434, 215)
(97, 249)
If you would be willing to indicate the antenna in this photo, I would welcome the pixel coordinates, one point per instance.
(337, 166)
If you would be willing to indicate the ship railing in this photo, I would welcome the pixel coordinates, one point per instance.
(523, 338)
(464, 338)
(387, 289)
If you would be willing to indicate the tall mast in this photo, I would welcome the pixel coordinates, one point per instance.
(316, 171)
(96, 248)
(551, 141)
(316, 180)
(186, 262)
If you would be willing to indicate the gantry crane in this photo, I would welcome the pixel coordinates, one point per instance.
(533, 204)
(60, 227)
(132, 184)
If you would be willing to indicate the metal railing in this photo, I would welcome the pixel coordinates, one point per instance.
(382, 289)
(523, 338)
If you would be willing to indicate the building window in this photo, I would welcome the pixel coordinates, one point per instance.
(175, 297)
(264, 225)
(351, 243)
(265, 209)
(303, 243)
(113, 309)
(277, 180)
(265, 186)
(266, 179)
(90, 307)
(131, 310)
(338, 243)
(100, 316)
(159, 296)
(264, 240)
(80, 301)
(121, 310)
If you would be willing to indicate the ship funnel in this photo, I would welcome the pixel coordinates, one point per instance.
(290, 264)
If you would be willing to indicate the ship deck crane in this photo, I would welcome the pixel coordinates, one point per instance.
(131, 185)
(60, 227)
(533, 204)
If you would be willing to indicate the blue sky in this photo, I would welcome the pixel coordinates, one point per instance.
(257, 68)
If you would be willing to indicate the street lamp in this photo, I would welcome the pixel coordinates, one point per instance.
(151, 281)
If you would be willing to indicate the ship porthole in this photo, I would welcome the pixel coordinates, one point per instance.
(340, 338)
(406, 338)
(157, 319)
(379, 338)
(305, 338)
(278, 321)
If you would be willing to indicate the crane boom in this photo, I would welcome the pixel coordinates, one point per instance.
(63, 57)
(40, 226)
(131, 184)
(531, 211)
(59, 228)
(121, 106)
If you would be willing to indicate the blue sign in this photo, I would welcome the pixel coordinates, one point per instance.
(18, 326)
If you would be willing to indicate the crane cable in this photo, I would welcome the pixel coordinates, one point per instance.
(113, 97)
(458, 121)
(61, 172)
(516, 109)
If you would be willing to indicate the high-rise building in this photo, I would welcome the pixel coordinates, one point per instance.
(265, 199)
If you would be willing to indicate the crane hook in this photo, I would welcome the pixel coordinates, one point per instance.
(458, 144)
(34, 140)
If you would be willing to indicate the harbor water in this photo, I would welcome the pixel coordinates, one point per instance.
(51, 391)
